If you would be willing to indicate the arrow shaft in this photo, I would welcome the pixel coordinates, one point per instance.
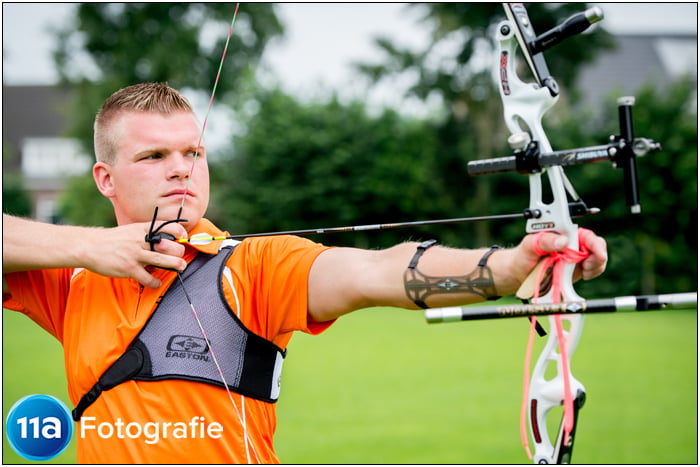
(394, 225)
(527, 214)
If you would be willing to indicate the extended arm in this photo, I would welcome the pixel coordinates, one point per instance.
(347, 279)
(116, 252)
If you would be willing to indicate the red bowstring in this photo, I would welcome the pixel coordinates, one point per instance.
(555, 260)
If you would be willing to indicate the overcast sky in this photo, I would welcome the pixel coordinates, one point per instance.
(322, 38)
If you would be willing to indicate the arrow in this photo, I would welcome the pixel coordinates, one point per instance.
(204, 238)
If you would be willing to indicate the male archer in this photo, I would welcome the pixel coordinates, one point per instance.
(133, 350)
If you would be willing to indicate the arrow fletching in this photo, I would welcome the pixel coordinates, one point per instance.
(200, 239)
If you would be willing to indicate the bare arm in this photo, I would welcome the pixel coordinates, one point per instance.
(117, 252)
(347, 279)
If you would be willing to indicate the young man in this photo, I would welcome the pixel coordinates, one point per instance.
(145, 378)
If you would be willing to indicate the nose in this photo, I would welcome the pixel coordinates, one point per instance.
(180, 167)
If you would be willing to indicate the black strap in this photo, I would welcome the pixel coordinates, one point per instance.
(126, 367)
(482, 264)
(485, 258)
(153, 236)
(420, 249)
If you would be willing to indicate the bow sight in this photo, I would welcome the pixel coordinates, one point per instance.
(528, 158)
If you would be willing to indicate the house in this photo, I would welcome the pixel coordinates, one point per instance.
(34, 144)
(638, 60)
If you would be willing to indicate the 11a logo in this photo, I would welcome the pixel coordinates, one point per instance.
(39, 427)
(50, 427)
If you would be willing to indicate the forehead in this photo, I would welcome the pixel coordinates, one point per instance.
(134, 131)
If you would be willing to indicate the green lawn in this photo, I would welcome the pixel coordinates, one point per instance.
(32, 363)
(381, 386)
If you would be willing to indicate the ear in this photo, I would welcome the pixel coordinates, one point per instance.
(102, 173)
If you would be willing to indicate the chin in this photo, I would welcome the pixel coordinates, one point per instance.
(169, 210)
(192, 215)
(168, 213)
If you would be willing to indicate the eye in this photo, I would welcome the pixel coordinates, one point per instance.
(152, 156)
(197, 154)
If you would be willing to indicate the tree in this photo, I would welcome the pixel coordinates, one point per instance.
(327, 164)
(15, 199)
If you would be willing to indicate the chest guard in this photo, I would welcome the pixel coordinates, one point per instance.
(171, 345)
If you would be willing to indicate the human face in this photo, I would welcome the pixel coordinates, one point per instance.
(155, 166)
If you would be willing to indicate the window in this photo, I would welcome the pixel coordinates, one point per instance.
(53, 157)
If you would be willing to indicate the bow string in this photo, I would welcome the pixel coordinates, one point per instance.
(154, 236)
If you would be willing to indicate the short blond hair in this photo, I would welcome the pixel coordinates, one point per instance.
(144, 97)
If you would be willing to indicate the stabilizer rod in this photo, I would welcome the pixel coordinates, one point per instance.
(605, 305)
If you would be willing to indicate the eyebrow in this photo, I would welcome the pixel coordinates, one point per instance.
(165, 150)
(151, 150)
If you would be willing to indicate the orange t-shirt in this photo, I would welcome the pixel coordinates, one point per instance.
(172, 421)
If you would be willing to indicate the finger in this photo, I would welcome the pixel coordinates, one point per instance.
(597, 246)
(164, 261)
(595, 264)
(592, 268)
(549, 241)
(144, 278)
(171, 248)
(176, 230)
(148, 281)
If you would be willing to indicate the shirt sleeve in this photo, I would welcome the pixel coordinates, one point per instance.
(41, 295)
(275, 283)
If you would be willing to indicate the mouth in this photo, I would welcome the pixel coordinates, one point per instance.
(180, 193)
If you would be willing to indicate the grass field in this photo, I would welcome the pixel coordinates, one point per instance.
(381, 386)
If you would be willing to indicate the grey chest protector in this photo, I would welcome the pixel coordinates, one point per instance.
(171, 345)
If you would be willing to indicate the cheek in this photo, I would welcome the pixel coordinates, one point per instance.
(201, 177)
(205, 190)
(133, 180)
(200, 180)
(134, 184)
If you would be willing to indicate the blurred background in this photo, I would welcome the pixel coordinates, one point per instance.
(340, 114)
